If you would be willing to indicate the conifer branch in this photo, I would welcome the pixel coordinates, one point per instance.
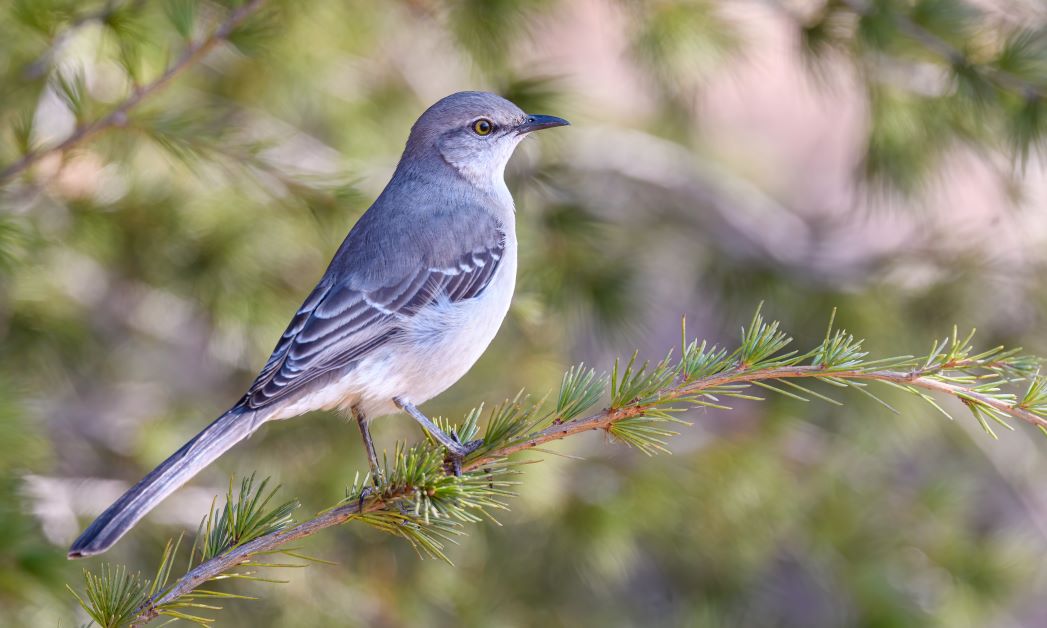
(917, 379)
(219, 565)
(950, 54)
(419, 498)
(194, 53)
(40, 65)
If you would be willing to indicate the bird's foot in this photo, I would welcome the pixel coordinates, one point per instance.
(365, 493)
(457, 453)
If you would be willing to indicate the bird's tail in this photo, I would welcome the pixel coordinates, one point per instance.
(218, 437)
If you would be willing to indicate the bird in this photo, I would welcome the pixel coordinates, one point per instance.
(410, 300)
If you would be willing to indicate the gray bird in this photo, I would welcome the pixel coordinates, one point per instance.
(410, 301)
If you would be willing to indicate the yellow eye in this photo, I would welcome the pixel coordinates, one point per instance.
(483, 126)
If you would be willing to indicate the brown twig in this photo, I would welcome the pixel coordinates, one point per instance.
(194, 53)
(920, 378)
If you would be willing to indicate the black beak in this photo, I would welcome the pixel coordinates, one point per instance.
(536, 123)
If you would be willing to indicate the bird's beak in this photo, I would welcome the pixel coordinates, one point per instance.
(536, 122)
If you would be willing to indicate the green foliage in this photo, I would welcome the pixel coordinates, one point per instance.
(112, 597)
(701, 360)
(182, 14)
(485, 27)
(414, 499)
(647, 432)
(839, 350)
(419, 499)
(244, 517)
(675, 39)
(115, 598)
(71, 90)
(762, 344)
(508, 420)
(993, 81)
(428, 503)
(632, 386)
(579, 391)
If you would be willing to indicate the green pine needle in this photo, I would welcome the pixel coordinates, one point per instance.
(244, 517)
(579, 391)
(113, 597)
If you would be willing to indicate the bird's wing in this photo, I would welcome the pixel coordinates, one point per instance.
(341, 322)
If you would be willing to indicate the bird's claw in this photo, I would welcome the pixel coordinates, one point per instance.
(365, 493)
(455, 455)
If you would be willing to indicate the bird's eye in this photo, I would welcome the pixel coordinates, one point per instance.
(483, 126)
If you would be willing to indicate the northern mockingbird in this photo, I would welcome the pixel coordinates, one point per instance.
(410, 301)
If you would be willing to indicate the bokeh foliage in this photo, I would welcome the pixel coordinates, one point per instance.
(145, 274)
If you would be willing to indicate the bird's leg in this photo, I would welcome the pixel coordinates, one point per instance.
(372, 457)
(457, 450)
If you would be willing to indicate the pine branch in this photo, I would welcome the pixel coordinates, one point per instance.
(118, 117)
(419, 499)
(950, 54)
(991, 84)
(604, 420)
(40, 65)
(221, 564)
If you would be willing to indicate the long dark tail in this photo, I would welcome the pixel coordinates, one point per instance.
(218, 437)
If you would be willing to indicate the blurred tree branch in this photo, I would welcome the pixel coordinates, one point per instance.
(40, 66)
(949, 53)
(193, 53)
(418, 498)
(986, 89)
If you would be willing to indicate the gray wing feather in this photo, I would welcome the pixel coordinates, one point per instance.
(339, 324)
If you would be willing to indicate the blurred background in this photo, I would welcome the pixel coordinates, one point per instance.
(879, 156)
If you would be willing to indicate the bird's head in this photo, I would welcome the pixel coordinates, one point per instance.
(475, 133)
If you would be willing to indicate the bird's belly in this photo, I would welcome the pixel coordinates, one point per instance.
(438, 346)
